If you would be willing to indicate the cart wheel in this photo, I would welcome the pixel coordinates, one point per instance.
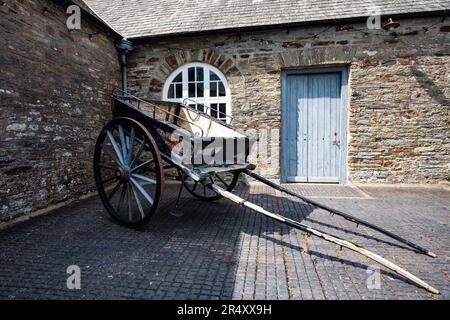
(128, 172)
(225, 180)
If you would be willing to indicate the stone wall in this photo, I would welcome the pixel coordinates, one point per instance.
(399, 88)
(54, 98)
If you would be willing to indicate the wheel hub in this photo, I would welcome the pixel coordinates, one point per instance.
(123, 174)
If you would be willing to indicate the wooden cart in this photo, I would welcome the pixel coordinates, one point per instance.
(145, 138)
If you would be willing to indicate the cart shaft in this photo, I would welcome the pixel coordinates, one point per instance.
(341, 242)
(340, 213)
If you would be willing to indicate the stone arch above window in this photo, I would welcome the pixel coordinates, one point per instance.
(199, 85)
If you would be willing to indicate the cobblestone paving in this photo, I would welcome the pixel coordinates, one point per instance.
(222, 251)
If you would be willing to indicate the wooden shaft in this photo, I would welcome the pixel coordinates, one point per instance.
(341, 242)
(340, 213)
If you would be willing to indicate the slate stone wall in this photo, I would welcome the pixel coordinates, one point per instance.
(399, 116)
(54, 98)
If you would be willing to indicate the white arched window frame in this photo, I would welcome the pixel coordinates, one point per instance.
(204, 84)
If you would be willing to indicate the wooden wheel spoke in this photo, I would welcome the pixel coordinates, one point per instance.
(212, 181)
(143, 164)
(130, 217)
(142, 191)
(130, 144)
(195, 186)
(107, 166)
(108, 152)
(116, 148)
(122, 195)
(109, 180)
(138, 154)
(152, 181)
(123, 143)
(114, 190)
(221, 180)
(138, 202)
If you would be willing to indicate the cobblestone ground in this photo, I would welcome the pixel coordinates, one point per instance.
(222, 251)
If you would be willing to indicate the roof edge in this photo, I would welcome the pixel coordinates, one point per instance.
(94, 19)
(434, 13)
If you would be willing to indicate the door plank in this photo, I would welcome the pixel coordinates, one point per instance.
(312, 113)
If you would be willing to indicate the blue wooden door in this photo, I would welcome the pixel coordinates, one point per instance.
(314, 125)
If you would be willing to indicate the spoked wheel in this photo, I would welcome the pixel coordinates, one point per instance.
(225, 180)
(128, 172)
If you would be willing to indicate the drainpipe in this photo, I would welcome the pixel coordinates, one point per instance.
(124, 46)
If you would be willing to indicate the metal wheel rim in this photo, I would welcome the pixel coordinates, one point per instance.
(135, 180)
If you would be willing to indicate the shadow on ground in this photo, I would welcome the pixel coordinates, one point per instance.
(213, 250)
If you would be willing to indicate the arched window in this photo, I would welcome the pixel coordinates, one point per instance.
(200, 84)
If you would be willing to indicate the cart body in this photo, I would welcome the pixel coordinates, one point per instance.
(191, 139)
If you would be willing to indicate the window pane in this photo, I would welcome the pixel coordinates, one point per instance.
(213, 76)
(179, 77)
(191, 93)
(199, 74)
(200, 90)
(214, 110)
(222, 110)
(191, 74)
(213, 89)
(179, 90)
(221, 89)
(191, 83)
(171, 94)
